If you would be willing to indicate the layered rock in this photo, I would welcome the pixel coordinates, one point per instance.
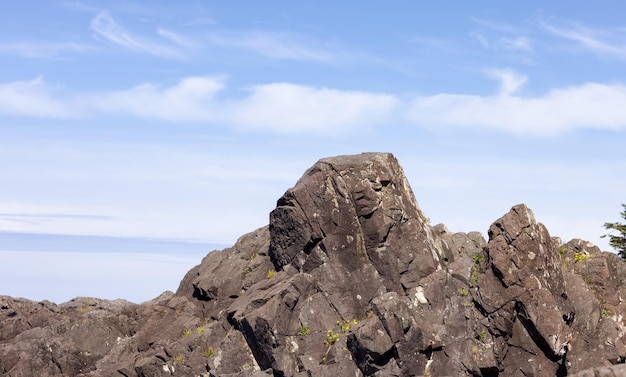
(349, 279)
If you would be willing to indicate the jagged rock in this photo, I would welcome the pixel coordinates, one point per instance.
(349, 279)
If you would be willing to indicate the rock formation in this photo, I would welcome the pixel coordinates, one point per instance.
(349, 279)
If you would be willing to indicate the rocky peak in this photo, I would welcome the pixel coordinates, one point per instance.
(348, 279)
(354, 216)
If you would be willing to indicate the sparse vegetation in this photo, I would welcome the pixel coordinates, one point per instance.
(562, 250)
(179, 359)
(463, 291)
(606, 313)
(270, 274)
(86, 309)
(209, 352)
(200, 330)
(186, 333)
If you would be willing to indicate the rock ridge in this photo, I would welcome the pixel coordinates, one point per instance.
(349, 279)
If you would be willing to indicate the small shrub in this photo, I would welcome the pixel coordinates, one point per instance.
(562, 250)
(463, 292)
(200, 330)
(477, 258)
(270, 274)
(606, 313)
(186, 333)
(246, 270)
(209, 352)
(179, 359)
(253, 255)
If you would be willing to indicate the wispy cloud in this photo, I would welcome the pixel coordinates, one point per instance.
(44, 49)
(274, 45)
(496, 35)
(601, 42)
(106, 27)
(510, 81)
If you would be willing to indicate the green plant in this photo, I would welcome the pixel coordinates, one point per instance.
(562, 250)
(606, 313)
(303, 330)
(179, 359)
(270, 274)
(481, 335)
(253, 255)
(209, 352)
(246, 270)
(463, 292)
(186, 333)
(200, 330)
(580, 256)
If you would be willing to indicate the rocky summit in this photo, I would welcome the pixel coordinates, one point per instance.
(349, 279)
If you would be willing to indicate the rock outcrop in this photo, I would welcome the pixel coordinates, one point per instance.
(349, 279)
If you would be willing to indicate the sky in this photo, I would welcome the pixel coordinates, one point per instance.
(186, 121)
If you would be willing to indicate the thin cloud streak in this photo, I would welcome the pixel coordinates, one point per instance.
(44, 50)
(105, 26)
(589, 39)
(273, 45)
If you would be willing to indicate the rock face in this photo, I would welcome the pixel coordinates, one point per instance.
(349, 279)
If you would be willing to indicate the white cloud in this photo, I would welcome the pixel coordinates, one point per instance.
(591, 105)
(189, 100)
(290, 108)
(33, 98)
(105, 26)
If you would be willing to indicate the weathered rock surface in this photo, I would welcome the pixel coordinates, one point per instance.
(349, 279)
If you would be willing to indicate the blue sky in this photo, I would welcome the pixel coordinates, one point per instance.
(188, 120)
